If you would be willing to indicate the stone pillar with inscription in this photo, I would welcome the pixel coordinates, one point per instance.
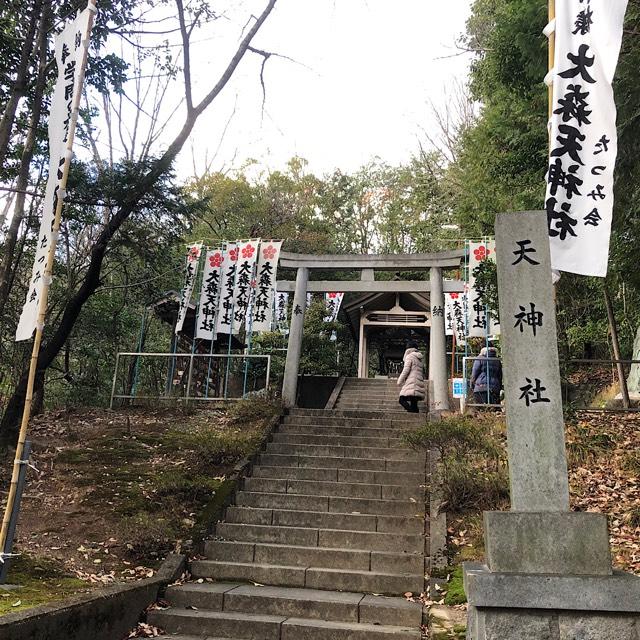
(438, 344)
(294, 347)
(548, 571)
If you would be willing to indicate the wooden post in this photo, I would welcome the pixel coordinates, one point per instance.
(44, 295)
(552, 55)
(613, 327)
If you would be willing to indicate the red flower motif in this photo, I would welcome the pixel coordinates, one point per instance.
(454, 296)
(233, 254)
(248, 250)
(194, 254)
(333, 295)
(269, 253)
(481, 253)
(215, 260)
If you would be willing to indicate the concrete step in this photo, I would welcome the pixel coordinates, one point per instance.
(289, 501)
(323, 488)
(340, 475)
(325, 429)
(326, 520)
(296, 556)
(344, 441)
(328, 538)
(291, 602)
(337, 451)
(270, 459)
(314, 578)
(378, 419)
(267, 627)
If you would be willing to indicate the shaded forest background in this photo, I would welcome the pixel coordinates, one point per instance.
(128, 215)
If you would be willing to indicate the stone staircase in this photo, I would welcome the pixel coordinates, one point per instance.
(373, 394)
(333, 521)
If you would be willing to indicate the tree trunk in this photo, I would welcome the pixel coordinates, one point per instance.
(20, 84)
(25, 165)
(9, 426)
(616, 349)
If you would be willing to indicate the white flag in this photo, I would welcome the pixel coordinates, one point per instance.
(209, 295)
(266, 284)
(579, 199)
(455, 308)
(245, 282)
(332, 302)
(282, 312)
(480, 323)
(190, 274)
(69, 52)
(224, 321)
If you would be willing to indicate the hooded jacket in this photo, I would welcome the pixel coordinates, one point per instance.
(412, 377)
(487, 371)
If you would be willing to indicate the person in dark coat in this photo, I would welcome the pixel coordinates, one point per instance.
(411, 379)
(486, 377)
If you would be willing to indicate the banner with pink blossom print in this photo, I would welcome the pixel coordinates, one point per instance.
(224, 320)
(209, 295)
(480, 323)
(267, 269)
(332, 302)
(245, 282)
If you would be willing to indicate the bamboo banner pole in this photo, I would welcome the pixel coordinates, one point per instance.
(44, 295)
(552, 58)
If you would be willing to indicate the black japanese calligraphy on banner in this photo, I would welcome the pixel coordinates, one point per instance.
(282, 312)
(266, 272)
(245, 284)
(455, 312)
(192, 262)
(69, 51)
(583, 140)
(224, 319)
(332, 302)
(209, 295)
(480, 323)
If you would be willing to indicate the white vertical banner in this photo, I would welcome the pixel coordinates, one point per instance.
(192, 261)
(583, 138)
(480, 324)
(332, 302)
(224, 320)
(282, 312)
(69, 52)
(245, 282)
(266, 284)
(455, 313)
(309, 300)
(209, 295)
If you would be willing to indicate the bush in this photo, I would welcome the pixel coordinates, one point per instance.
(472, 460)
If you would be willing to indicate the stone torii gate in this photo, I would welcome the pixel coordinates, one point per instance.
(436, 286)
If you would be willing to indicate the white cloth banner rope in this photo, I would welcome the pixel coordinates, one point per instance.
(69, 51)
(266, 284)
(579, 198)
(209, 295)
(190, 274)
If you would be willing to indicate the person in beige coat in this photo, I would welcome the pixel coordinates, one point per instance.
(411, 379)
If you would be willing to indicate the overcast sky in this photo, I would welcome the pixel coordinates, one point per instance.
(365, 73)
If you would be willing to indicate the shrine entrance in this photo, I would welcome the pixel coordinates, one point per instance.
(387, 313)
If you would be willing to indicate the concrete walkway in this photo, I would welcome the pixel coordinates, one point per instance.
(323, 540)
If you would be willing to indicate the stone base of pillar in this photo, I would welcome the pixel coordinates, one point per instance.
(506, 606)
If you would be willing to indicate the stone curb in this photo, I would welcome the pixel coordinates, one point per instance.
(105, 614)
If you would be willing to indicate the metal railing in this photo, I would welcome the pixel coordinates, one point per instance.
(188, 376)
